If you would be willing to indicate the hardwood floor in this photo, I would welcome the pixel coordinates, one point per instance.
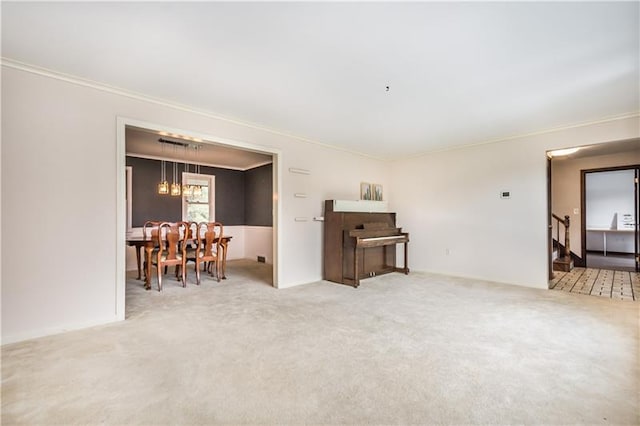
(620, 285)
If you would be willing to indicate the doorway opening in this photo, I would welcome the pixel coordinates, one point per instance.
(202, 160)
(575, 230)
(609, 198)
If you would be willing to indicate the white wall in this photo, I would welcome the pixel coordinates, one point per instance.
(450, 200)
(258, 241)
(566, 186)
(59, 143)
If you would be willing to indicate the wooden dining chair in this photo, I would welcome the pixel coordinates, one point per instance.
(209, 248)
(150, 229)
(150, 232)
(191, 244)
(171, 251)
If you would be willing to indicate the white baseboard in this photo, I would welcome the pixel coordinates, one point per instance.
(34, 334)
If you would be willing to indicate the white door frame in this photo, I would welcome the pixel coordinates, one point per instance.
(121, 220)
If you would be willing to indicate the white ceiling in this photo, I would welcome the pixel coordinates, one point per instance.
(458, 73)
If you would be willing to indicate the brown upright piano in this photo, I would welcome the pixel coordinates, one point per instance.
(359, 245)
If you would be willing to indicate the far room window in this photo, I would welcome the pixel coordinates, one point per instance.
(200, 207)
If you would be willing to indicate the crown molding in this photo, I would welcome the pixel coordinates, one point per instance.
(56, 75)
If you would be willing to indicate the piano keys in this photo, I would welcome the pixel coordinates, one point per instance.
(359, 245)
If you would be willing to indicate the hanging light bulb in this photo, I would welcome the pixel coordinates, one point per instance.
(197, 189)
(163, 186)
(187, 190)
(175, 186)
(175, 189)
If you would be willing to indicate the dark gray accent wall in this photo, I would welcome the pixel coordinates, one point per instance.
(146, 203)
(149, 205)
(258, 192)
(229, 195)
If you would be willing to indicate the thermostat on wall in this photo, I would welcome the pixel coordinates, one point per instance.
(505, 194)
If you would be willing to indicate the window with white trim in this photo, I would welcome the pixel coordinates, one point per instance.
(199, 207)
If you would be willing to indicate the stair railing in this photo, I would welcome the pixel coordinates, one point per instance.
(567, 236)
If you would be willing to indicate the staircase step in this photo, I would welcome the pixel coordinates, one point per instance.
(563, 264)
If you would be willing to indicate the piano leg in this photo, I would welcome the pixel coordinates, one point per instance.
(406, 258)
(356, 275)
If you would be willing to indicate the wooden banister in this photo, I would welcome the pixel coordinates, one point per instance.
(567, 234)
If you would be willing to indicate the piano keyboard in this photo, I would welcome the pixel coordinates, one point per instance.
(392, 237)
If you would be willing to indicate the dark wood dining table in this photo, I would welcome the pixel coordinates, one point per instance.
(148, 244)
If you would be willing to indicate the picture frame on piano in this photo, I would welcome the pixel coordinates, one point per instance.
(365, 191)
(376, 192)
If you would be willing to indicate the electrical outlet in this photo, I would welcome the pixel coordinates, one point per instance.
(447, 251)
(576, 211)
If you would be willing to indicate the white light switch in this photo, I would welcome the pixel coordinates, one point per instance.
(576, 211)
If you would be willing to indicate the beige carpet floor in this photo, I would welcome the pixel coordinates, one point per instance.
(417, 349)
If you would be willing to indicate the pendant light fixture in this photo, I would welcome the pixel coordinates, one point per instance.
(187, 190)
(175, 186)
(197, 189)
(163, 186)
